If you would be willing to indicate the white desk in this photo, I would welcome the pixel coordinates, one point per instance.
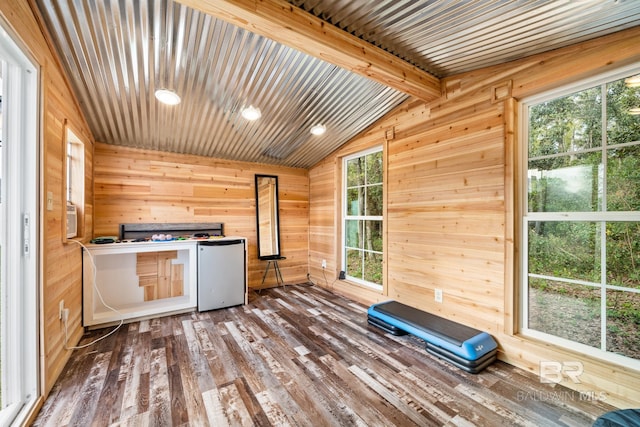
(116, 279)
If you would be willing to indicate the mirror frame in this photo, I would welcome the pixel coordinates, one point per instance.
(273, 207)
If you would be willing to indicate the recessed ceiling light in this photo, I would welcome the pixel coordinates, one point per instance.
(167, 96)
(318, 129)
(633, 81)
(251, 113)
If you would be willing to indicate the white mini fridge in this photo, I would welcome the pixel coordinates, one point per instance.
(221, 273)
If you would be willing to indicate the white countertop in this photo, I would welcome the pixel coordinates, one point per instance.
(180, 241)
(129, 246)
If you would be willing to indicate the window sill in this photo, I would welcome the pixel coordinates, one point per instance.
(579, 351)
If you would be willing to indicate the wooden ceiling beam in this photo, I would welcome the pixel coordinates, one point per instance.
(287, 24)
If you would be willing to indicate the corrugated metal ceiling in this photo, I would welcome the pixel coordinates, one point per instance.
(448, 37)
(118, 52)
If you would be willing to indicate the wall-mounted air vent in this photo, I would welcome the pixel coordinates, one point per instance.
(72, 221)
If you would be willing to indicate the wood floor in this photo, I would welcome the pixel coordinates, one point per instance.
(298, 355)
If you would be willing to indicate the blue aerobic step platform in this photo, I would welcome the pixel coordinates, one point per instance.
(467, 348)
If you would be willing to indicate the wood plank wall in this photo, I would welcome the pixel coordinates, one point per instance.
(137, 186)
(450, 203)
(61, 276)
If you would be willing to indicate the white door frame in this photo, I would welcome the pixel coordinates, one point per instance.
(20, 229)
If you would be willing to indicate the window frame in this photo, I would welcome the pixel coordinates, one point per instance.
(20, 227)
(345, 217)
(74, 183)
(601, 216)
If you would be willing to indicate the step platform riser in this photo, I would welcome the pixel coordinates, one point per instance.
(467, 348)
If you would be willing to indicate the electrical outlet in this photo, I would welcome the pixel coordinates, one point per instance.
(60, 309)
(438, 295)
(65, 315)
(324, 263)
(49, 200)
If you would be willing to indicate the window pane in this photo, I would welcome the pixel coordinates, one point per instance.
(353, 233)
(355, 172)
(623, 323)
(374, 200)
(623, 254)
(373, 267)
(566, 184)
(566, 124)
(568, 173)
(69, 174)
(354, 263)
(373, 235)
(623, 179)
(565, 310)
(354, 201)
(570, 250)
(622, 127)
(363, 199)
(374, 168)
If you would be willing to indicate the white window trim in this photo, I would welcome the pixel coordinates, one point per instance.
(526, 216)
(344, 217)
(20, 266)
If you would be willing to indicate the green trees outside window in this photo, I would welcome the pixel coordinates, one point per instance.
(582, 219)
(363, 217)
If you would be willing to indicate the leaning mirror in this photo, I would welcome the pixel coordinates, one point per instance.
(267, 216)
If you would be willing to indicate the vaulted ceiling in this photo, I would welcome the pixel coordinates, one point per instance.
(341, 63)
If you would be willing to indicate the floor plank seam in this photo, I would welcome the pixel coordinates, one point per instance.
(299, 355)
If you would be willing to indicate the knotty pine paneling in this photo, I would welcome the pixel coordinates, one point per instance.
(61, 273)
(135, 186)
(451, 204)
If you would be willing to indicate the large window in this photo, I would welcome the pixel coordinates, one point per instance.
(362, 217)
(581, 222)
